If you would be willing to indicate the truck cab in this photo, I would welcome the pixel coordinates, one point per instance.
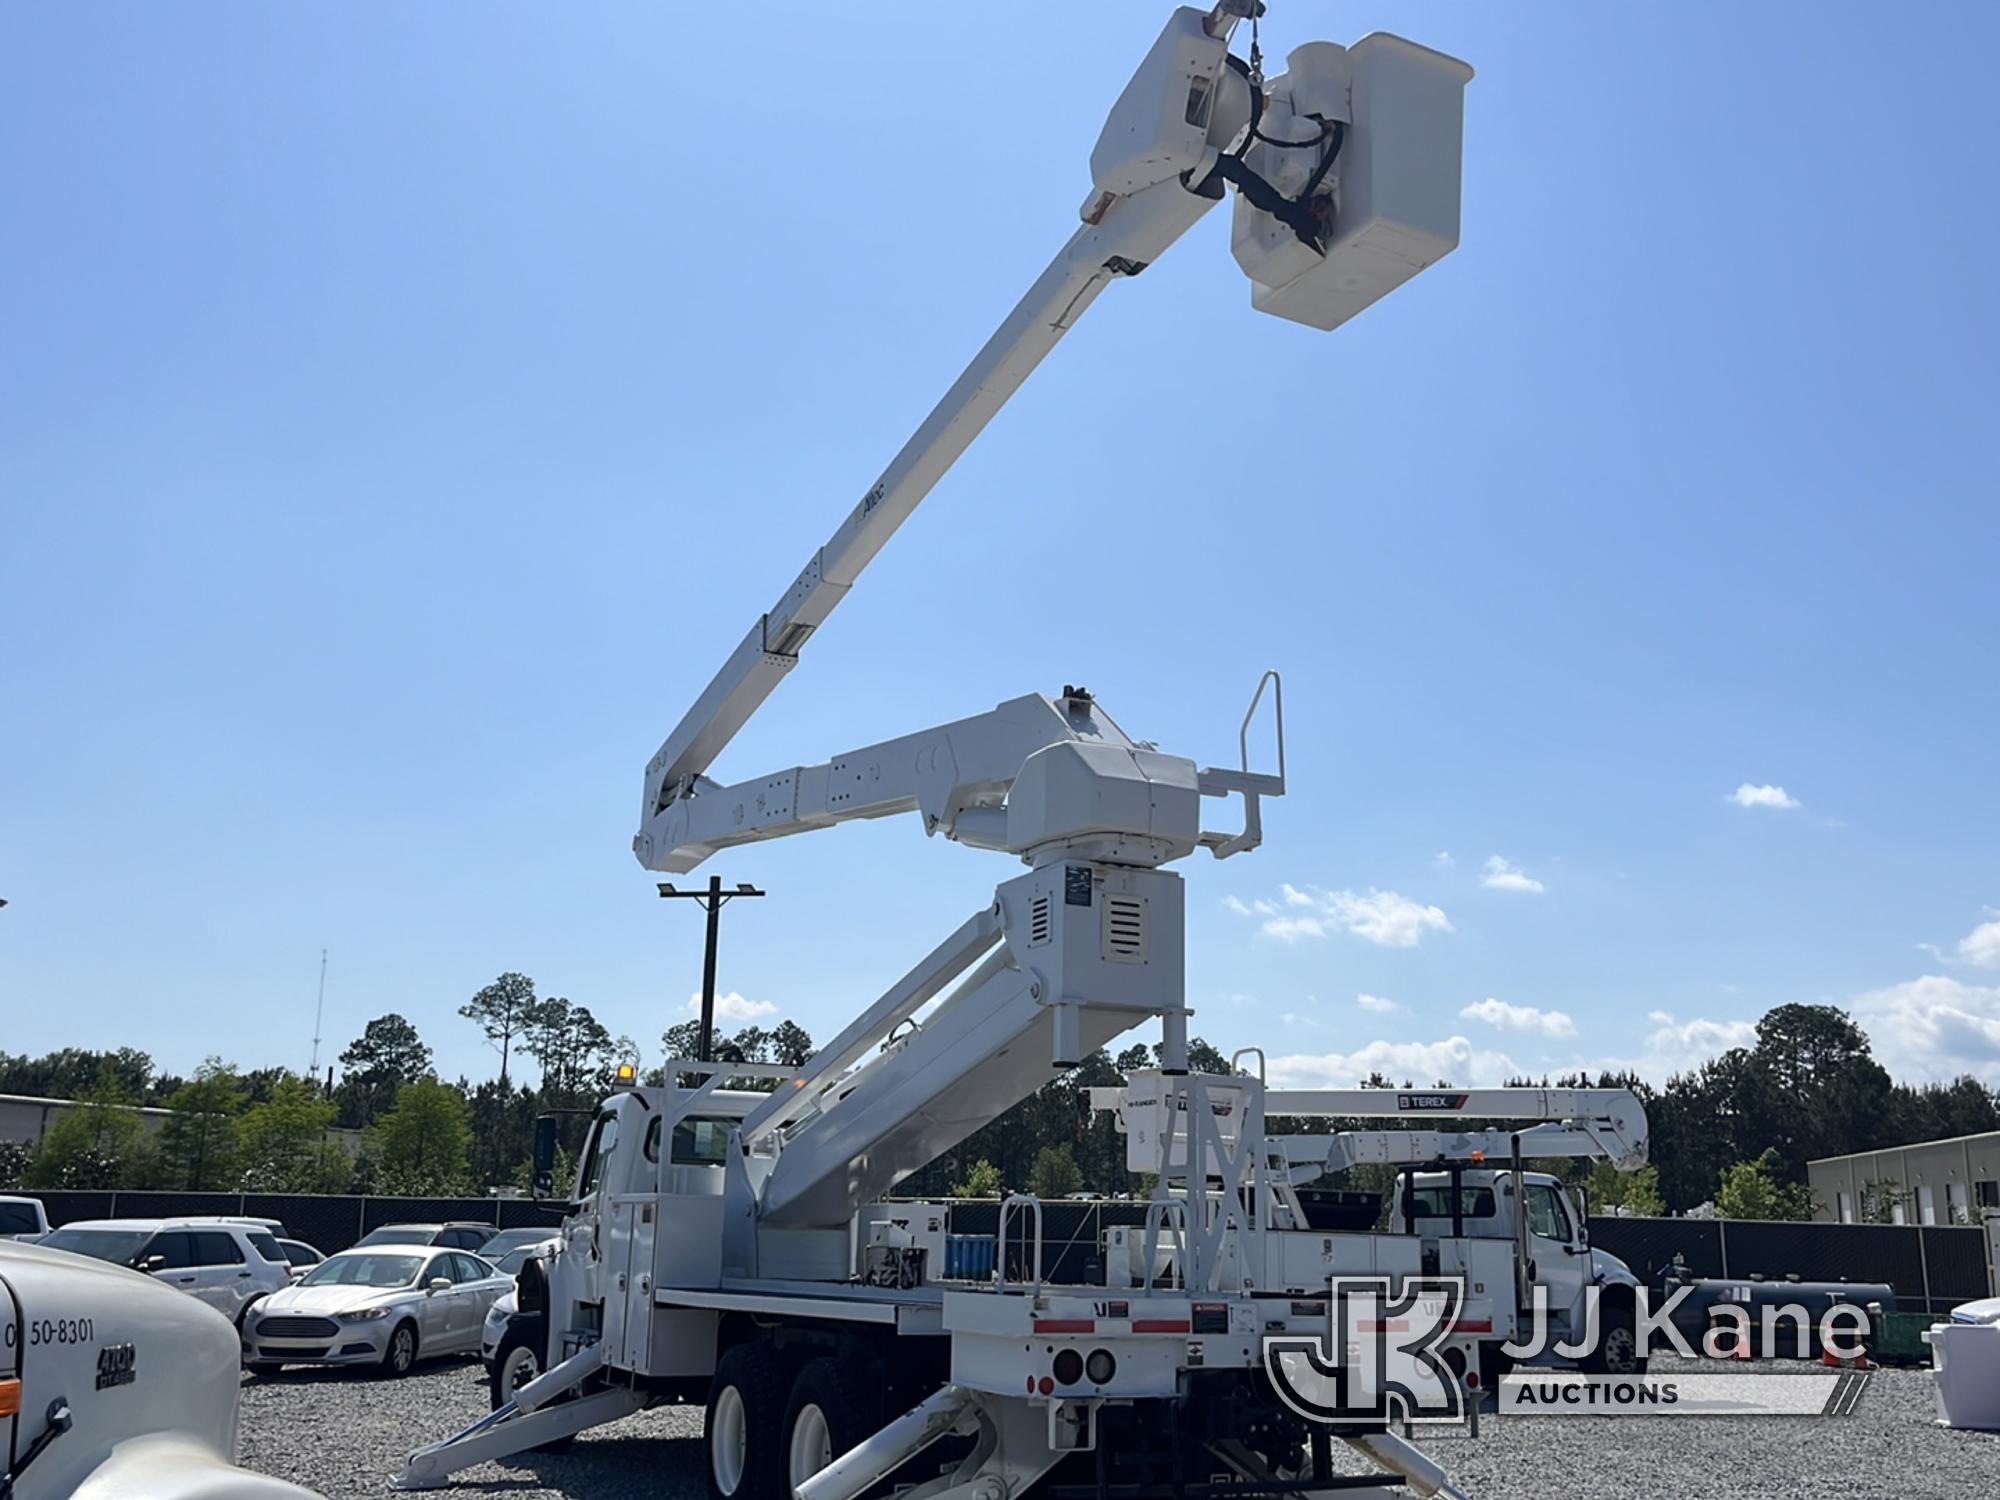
(1480, 1203)
(113, 1385)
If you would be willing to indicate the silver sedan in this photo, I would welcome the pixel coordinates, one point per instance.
(386, 1305)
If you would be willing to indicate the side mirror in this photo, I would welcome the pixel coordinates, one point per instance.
(437, 1284)
(152, 1263)
(545, 1157)
(1583, 1216)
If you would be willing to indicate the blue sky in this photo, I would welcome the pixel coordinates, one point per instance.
(403, 410)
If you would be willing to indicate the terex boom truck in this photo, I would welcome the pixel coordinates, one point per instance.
(1522, 1233)
(712, 1252)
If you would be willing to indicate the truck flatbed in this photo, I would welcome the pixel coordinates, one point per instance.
(916, 1310)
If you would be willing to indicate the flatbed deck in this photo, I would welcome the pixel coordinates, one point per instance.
(916, 1310)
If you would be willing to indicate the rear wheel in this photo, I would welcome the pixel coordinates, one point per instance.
(745, 1425)
(831, 1410)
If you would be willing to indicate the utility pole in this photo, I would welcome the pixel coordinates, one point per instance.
(713, 900)
(319, 1011)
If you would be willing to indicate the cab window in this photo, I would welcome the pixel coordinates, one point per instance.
(598, 1155)
(1435, 1202)
(701, 1143)
(1546, 1215)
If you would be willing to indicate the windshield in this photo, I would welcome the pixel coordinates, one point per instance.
(510, 1264)
(365, 1270)
(115, 1245)
(399, 1234)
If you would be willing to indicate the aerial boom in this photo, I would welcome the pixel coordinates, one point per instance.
(1123, 233)
(1347, 171)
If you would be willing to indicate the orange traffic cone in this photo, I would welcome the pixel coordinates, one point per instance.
(1833, 1361)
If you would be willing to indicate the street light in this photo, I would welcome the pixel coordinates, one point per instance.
(712, 900)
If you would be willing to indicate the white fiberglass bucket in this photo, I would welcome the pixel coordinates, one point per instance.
(1965, 1363)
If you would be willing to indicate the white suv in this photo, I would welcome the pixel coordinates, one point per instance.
(22, 1218)
(226, 1263)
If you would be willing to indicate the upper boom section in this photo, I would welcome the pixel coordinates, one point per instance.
(1560, 1122)
(1336, 212)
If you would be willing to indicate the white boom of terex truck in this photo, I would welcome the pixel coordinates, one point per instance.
(725, 1242)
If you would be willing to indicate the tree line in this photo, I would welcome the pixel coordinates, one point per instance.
(1731, 1136)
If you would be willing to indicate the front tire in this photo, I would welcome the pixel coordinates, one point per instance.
(744, 1431)
(1617, 1351)
(400, 1357)
(518, 1360)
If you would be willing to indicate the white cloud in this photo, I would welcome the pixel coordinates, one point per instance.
(1504, 875)
(1244, 908)
(1454, 1058)
(1677, 1046)
(1981, 946)
(1520, 1017)
(733, 1007)
(1377, 1004)
(1673, 1046)
(1934, 1027)
(1385, 917)
(1443, 860)
(1747, 795)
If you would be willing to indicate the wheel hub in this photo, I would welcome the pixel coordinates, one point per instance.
(812, 1444)
(729, 1441)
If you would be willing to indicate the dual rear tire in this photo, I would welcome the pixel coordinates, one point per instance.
(767, 1431)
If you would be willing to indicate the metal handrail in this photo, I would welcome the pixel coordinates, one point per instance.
(1272, 680)
(1012, 1200)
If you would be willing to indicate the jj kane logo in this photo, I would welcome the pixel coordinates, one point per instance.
(1380, 1358)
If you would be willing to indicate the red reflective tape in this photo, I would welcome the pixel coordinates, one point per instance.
(1472, 1327)
(1384, 1325)
(1160, 1325)
(1065, 1325)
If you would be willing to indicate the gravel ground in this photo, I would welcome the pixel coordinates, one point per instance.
(344, 1433)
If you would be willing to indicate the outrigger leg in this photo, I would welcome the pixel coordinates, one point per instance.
(526, 1422)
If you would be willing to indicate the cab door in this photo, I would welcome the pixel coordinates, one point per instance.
(1553, 1245)
(634, 1226)
(584, 1232)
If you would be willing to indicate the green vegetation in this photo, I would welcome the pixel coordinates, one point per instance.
(1753, 1190)
(1736, 1131)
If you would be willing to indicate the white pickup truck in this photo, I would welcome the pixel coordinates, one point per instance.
(114, 1387)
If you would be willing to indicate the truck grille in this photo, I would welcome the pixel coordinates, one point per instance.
(297, 1328)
